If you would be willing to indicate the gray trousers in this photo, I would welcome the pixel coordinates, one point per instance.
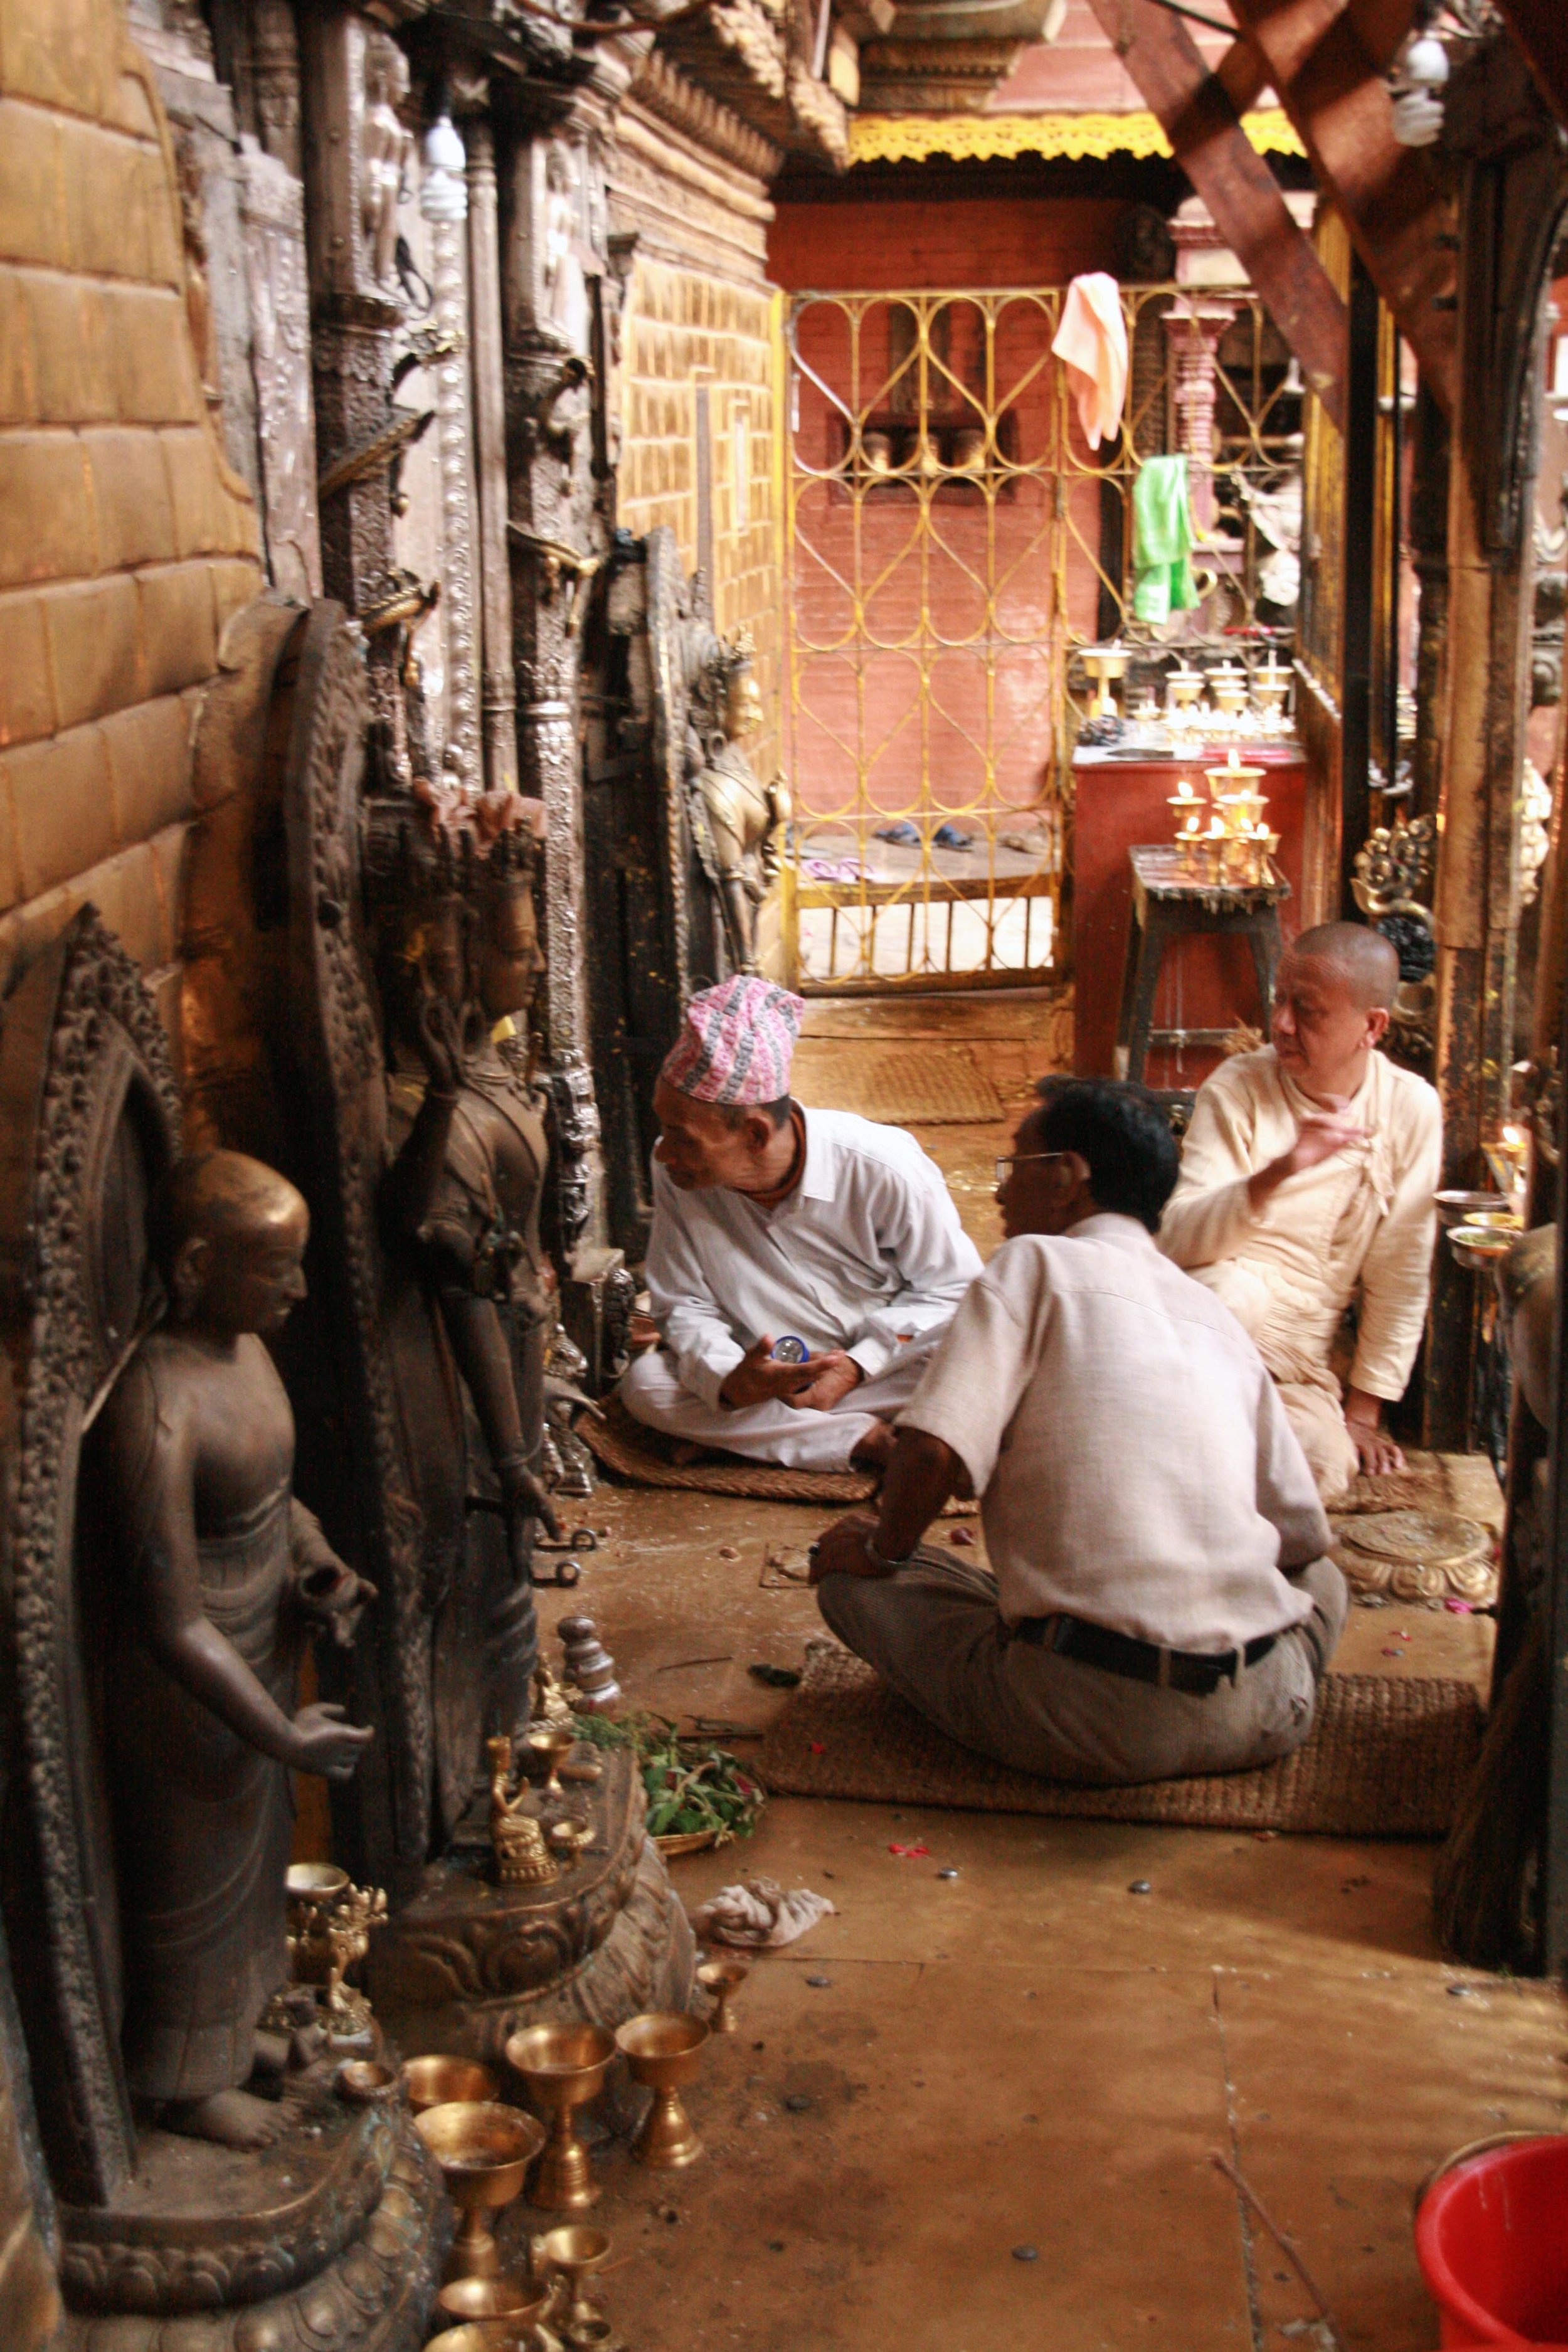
(933, 1631)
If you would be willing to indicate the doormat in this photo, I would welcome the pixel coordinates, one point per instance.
(932, 1085)
(1384, 1759)
(643, 1456)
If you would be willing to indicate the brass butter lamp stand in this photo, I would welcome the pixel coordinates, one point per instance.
(664, 2051)
(563, 2067)
(483, 2151)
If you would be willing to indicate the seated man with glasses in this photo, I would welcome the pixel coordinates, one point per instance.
(1161, 1601)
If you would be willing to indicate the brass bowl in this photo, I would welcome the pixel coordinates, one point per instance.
(664, 2049)
(437, 2082)
(483, 2150)
(574, 2253)
(512, 2298)
(514, 2333)
(367, 2082)
(564, 2066)
(315, 1882)
(551, 1744)
(724, 1978)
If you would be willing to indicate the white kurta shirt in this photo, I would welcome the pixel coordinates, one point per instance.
(1133, 1460)
(1362, 1222)
(866, 1253)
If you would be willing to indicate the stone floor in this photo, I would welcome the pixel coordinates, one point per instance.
(977, 2114)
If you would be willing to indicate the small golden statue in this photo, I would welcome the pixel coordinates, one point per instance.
(329, 1923)
(738, 823)
(550, 1704)
(521, 1857)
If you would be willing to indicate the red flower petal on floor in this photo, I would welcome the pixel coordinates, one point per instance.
(818, 1748)
(906, 1852)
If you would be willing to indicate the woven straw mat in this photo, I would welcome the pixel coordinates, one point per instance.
(642, 1456)
(1384, 1759)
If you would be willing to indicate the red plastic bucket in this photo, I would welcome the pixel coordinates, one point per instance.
(1492, 2237)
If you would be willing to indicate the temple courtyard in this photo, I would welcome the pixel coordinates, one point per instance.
(981, 2110)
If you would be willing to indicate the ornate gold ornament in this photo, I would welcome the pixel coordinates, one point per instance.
(911, 139)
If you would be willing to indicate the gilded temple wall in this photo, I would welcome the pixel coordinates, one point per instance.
(700, 311)
(126, 541)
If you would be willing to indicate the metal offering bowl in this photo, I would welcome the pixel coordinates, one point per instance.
(572, 2254)
(564, 2066)
(515, 2299)
(367, 2082)
(315, 1882)
(515, 2333)
(438, 2082)
(483, 2150)
(724, 1978)
(552, 1743)
(664, 2050)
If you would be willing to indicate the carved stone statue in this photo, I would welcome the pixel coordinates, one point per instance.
(565, 288)
(386, 149)
(222, 1575)
(738, 823)
(462, 1198)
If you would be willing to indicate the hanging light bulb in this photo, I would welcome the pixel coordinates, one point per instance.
(1420, 74)
(444, 190)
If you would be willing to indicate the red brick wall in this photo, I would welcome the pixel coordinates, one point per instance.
(926, 745)
(974, 241)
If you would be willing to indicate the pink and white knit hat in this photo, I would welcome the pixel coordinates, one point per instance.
(736, 1043)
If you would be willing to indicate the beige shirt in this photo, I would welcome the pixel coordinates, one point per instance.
(1360, 1221)
(1133, 1459)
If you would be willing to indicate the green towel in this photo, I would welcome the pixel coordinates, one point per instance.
(1162, 541)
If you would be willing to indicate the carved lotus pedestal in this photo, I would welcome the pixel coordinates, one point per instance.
(469, 1962)
(331, 2237)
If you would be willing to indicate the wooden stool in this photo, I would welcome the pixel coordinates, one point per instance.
(1169, 905)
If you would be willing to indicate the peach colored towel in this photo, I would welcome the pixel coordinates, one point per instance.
(1092, 339)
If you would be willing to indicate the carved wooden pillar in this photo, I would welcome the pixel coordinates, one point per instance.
(354, 77)
(273, 211)
(443, 201)
(487, 352)
(1195, 325)
(557, 544)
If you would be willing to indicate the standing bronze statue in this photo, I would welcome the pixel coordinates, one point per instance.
(737, 822)
(220, 1578)
(458, 961)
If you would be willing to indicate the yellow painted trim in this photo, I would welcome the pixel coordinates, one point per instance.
(912, 138)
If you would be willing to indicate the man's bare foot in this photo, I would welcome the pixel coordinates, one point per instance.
(229, 2120)
(875, 1450)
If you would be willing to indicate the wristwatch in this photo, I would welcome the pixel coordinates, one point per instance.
(883, 1567)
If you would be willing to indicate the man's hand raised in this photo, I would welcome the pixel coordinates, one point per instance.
(1320, 1134)
(756, 1380)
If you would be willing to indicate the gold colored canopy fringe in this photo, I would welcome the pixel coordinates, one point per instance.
(912, 137)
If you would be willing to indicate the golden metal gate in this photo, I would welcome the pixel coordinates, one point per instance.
(951, 540)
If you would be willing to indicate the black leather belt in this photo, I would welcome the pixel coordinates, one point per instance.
(1140, 1662)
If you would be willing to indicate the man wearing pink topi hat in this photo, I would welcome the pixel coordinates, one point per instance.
(772, 1224)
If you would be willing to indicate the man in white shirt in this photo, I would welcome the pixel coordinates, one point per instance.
(1162, 1601)
(1308, 1177)
(776, 1224)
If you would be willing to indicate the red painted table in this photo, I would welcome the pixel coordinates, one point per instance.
(1207, 983)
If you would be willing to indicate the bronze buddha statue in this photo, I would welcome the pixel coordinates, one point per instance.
(219, 1577)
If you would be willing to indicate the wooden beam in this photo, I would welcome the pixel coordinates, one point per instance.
(1203, 126)
(1242, 75)
(1330, 83)
(1541, 29)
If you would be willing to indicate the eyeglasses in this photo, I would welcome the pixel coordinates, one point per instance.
(1022, 1160)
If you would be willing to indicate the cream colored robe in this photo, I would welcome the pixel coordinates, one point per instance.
(1359, 1225)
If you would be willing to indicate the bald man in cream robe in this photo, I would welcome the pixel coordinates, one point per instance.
(1307, 1183)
